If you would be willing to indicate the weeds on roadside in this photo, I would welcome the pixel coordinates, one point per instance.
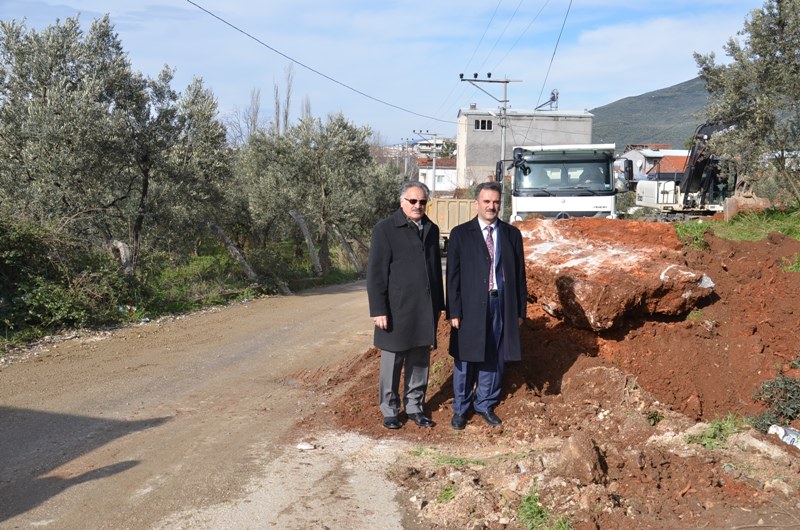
(754, 226)
(792, 265)
(718, 431)
(782, 397)
(691, 233)
(695, 314)
(533, 516)
(454, 461)
(654, 418)
(748, 226)
(448, 493)
(436, 373)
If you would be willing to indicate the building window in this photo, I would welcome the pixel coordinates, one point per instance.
(483, 125)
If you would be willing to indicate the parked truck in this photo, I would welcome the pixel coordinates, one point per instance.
(560, 181)
(448, 213)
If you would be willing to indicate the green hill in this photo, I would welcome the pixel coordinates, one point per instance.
(666, 116)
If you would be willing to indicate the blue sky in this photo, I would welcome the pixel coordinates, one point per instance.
(408, 54)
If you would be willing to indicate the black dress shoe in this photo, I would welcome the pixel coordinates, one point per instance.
(458, 422)
(391, 422)
(421, 419)
(490, 417)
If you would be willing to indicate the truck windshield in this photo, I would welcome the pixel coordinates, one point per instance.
(562, 175)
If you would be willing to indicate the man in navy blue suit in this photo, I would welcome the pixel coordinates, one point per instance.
(486, 304)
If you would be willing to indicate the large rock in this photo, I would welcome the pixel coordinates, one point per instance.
(595, 272)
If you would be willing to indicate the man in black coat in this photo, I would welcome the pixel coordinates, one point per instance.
(406, 297)
(486, 304)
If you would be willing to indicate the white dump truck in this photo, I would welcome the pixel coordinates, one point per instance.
(560, 181)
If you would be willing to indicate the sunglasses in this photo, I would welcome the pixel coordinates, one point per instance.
(422, 202)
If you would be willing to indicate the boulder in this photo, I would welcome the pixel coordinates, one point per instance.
(593, 273)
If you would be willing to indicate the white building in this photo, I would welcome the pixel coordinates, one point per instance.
(479, 133)
(445, 181)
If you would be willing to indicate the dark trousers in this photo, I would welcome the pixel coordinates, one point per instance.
(478, 384)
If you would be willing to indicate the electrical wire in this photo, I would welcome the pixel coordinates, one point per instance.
(446, 100)
(309, 68)
(536, 16)
(511, 18)
(550, 66)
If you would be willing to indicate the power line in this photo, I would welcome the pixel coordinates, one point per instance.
(475, 51)
(510, 19)
(329, 78)
(522, 34)
(549, 66)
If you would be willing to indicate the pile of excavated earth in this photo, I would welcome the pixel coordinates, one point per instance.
(633, 342)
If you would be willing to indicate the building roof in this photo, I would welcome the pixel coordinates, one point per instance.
(670, 164)
(523, 113)
(424, 161)
(640, 147)
(661, 153)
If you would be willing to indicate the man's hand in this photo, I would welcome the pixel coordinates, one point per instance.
(382, 321)
(455, 322)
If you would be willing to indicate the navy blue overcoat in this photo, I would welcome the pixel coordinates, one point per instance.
(468, 283)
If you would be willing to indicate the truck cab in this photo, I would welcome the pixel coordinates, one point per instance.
(560, 181)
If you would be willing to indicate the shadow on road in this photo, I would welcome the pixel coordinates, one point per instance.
(34, 443)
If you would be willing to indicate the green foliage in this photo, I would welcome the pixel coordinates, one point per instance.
(755, 226)
(654, 418)
(201, 281)
(457, 461)
(436, 373)
(792, 265)
(51, 281)
(781, 396)
(758, 93)
(445, 459)
(448, 493)
(718, 432)
(533, 516)
(625, 201)
(695, 314)
(747, 226)
(691, 233)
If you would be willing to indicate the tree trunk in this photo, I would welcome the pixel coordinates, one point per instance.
(312, 252)
(122, 253)
(220, 233)
(324, 248)
(139, 221)
(349, 249)
(248, 270)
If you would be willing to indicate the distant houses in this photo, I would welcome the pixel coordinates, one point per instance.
(478, 148)
(656, 161)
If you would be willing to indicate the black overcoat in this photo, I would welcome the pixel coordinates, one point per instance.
(404, 282)
(468, 283)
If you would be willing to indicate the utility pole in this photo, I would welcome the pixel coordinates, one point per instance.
(503, 125)
(405, 157)
(426, 135)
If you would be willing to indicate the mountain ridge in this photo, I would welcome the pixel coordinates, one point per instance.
(666, 116)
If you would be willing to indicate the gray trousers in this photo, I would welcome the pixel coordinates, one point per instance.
(415, 363)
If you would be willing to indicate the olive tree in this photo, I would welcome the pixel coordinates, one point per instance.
(94, 148)
(758, 93)
(323, 171)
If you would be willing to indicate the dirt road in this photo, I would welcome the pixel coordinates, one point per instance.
(187, 423)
